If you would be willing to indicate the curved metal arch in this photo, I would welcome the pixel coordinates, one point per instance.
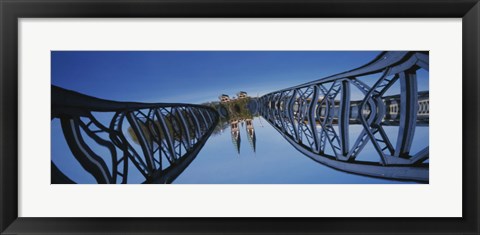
(328, 111)
(164, 137)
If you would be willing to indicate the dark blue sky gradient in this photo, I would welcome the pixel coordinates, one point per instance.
(193, 76)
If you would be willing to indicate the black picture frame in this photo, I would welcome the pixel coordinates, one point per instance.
(12, 10)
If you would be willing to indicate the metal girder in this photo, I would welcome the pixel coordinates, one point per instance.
(413, 173)
(319, 109)
(142, 139)
(408, 113)
(173, 132)
(344, 116)
(195, 119)
(330, 112)
(185, 128)
(312, 120)
(291, 121)
(304, 130)
(374, 130)
(90, 161)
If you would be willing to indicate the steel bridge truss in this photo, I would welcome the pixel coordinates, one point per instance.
(318, 114)
(158, 140)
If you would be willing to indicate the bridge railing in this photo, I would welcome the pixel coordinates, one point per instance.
(159, 140)
(317, 115)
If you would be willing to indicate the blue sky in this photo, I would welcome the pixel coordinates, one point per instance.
(200, 76)
(193, 76)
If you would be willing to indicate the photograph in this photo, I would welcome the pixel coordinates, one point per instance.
(239, 117)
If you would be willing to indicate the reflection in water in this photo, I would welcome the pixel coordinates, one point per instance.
(238, 112)
(372, 121)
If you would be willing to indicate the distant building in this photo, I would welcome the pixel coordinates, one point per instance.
(251, 133)
(242, 94)
(235, 130)
(224, 98)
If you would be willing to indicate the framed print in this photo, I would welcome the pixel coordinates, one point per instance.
(239, 117)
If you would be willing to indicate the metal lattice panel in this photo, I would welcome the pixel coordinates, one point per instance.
(318, 114)
(159, 140)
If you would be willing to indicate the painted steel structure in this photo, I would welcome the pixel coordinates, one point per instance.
(317, 115)
(162, 140)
